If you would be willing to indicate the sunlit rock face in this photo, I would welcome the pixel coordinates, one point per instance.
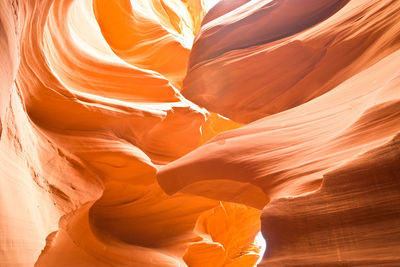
(268, 56)
(126, 137)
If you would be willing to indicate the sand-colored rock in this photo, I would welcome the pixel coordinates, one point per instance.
(83, 133)
(287, 154)
(351, 220)
(264, 57)
(104, 162)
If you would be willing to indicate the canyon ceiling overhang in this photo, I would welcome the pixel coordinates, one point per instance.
(171, 132)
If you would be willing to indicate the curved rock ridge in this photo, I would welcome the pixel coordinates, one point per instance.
(265, 57)
(107, 162)
(356, 222)
(251, 23)
(286, 154)
(146, 40)
(83, 132)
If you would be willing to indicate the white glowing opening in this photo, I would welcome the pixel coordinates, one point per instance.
(260, 241)
(146, 9)
(208, 4)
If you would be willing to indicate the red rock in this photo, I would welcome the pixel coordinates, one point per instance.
(106, 163)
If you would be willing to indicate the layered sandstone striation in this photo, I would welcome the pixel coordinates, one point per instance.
(121, 145)
(268, 56)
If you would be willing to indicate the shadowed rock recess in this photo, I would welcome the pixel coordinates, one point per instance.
(160, 133)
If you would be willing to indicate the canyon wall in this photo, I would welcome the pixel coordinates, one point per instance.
(149, 133)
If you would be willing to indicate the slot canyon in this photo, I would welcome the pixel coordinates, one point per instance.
(199, 133)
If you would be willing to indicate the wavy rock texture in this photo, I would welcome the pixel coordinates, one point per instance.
(107, 162)
(269, 56)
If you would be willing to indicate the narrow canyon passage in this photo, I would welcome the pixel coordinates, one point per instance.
(199, 133)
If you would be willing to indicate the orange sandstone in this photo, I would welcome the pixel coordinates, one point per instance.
(121, 145)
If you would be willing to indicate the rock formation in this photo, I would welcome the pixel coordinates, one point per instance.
(149, 133)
